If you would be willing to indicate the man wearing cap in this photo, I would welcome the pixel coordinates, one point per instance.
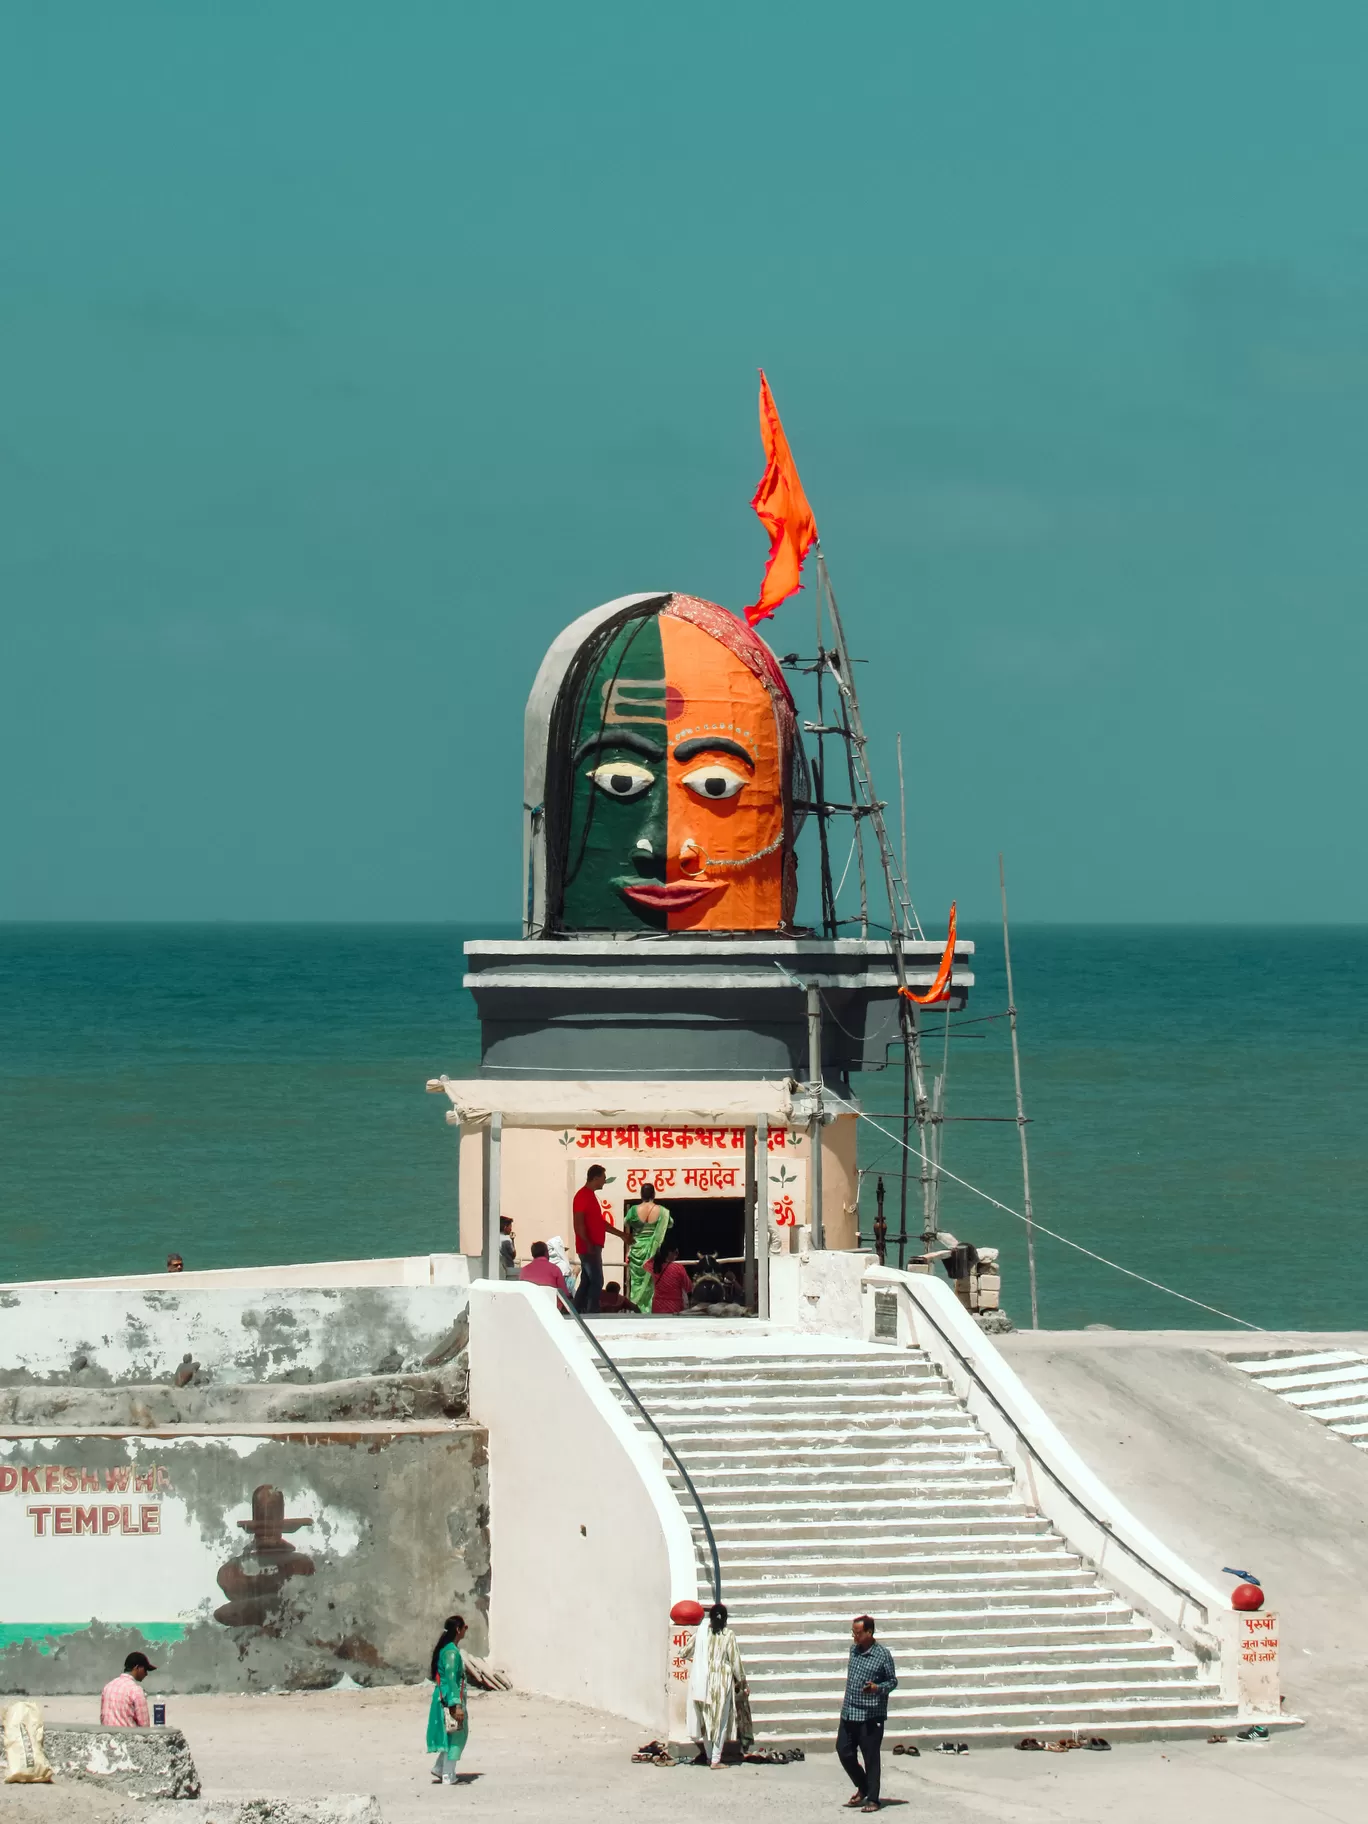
(122, 1704)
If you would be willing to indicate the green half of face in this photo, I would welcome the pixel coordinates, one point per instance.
(619, 788)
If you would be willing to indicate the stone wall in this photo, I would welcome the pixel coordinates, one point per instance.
(240, 1559)
(110, 1335)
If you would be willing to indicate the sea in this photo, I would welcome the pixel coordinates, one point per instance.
(1197, 1102)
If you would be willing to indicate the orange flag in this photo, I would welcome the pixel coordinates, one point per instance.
(940, 988)
(782, 505)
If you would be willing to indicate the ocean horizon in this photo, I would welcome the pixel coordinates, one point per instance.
(248, 1093)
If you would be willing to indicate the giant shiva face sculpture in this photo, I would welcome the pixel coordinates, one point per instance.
(669, 803)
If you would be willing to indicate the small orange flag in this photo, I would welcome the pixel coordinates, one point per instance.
(782, 505)
(940, 988)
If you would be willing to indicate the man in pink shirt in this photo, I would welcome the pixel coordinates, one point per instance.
(122, 1703)
(541, 1271)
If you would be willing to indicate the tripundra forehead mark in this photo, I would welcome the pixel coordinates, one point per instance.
(721, 728)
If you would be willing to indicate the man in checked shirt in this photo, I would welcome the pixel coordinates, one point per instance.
(869, 1680)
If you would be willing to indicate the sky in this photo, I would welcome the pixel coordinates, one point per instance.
(348, 352)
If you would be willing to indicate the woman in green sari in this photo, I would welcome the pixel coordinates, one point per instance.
(646, 1225)
(448, 1717)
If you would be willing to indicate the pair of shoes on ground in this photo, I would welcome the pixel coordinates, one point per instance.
(906, 1748)
(1033, 1744)
(953, 1748)
(1256, 1732)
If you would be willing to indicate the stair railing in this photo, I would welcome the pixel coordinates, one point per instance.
(1104, 1526)
(567, 1305)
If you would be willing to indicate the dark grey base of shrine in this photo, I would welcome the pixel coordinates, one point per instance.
(137, 1763)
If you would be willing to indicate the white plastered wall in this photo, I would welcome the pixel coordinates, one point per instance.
(589, 1548)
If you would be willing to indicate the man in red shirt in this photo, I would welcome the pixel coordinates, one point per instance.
(592, 1224)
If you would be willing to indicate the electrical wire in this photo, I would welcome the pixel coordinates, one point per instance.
(831, 1096)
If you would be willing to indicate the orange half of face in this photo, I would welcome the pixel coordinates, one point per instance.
(726, 806)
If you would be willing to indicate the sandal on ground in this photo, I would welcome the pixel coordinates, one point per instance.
(855, 1801)
(1099, 1743)
(1218, 1738)
(1033, 1743)
(873, 1805)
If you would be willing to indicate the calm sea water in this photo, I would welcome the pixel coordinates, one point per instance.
(243, 1094)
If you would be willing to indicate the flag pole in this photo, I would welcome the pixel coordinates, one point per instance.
(1021, 1108)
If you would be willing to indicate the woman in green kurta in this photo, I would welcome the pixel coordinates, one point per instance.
(448, 1718)
(646, 1225)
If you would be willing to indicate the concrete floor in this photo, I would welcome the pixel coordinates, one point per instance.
(1227, 1473)
(539, 1759)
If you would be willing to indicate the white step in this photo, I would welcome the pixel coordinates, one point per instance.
(836, 1483)
(1330, 1385)
(1283, 1364)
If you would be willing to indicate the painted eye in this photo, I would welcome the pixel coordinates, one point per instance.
(621, 778)
(714, 780)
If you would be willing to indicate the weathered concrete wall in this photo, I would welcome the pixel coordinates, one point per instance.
(241, 1561)
(381, 1270)
(102, 1336)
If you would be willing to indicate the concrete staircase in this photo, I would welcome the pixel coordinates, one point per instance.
(1328, 1384)
(848, 1477)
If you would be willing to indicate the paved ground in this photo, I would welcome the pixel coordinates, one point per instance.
(1223, 1470)
(1226, 1473)
(539, 1759)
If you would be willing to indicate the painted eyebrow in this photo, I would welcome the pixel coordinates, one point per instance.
(637, 744)
(712, 744)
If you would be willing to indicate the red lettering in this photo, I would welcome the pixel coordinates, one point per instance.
(116, 1481)
(33, 1481)
(9, 1480)
(126, 1520)
(109, 1519)
(151, 1519)
(143, 1481)
(52, 1481)
(61, 1519)
(39, 1516)
(70, 1481)
(90, 1481)
(87, 1520)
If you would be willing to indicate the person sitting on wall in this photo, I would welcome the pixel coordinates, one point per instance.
(672, 1284)
(541, 1271)
(122, 1703)
(508, 1249)
(611, 1299)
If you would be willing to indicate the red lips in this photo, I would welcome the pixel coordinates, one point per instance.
(672, 896)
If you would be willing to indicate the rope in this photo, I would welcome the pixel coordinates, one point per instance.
(1052, 1233)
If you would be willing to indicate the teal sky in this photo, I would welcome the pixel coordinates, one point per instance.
(347, 352)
